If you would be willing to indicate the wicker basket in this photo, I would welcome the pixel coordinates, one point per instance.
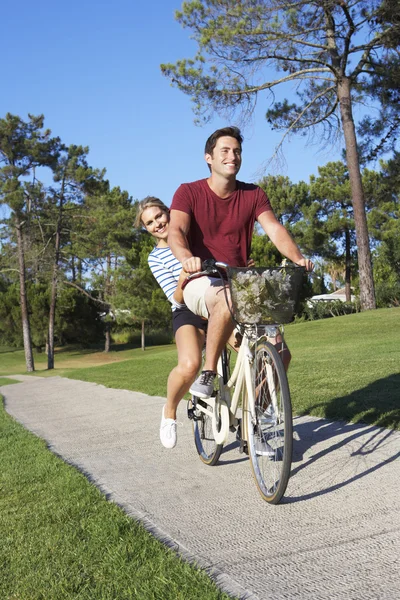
(265, 295)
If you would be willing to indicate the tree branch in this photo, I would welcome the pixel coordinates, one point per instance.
(4, 270)
(86, 293)
(288, 58)
(299, 116)
(267, 86)
(350, 33)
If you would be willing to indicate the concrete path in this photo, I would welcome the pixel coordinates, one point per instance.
(335, 536)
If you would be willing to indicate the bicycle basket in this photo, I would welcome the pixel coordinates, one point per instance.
(265, 295)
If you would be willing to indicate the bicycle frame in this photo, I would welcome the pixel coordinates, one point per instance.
(242, 381)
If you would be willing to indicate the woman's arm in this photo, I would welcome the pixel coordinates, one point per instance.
(178, 294)
(164, 277)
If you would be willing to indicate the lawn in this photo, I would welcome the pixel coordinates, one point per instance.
(342, 368)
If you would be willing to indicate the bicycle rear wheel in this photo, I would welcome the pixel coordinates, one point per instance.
(270, 436)
(208, 449)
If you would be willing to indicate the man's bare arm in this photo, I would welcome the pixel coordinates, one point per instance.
(177, 239)
(282, 239)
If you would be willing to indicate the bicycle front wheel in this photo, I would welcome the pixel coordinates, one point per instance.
(270, 432)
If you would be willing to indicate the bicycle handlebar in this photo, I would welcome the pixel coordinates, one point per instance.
(210, 266)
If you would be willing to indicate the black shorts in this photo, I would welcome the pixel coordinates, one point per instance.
(184, 316)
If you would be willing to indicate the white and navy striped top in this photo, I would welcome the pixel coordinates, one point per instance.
(166, 269)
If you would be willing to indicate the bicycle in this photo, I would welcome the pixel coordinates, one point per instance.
(262, 300)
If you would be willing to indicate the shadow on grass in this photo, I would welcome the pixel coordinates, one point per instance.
(376, 404)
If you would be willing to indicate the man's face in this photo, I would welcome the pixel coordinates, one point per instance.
(226, 158)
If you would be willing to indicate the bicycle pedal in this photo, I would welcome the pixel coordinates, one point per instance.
(243, 448)
(192, 416)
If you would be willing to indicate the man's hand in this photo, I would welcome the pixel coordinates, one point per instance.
(307, 263)
(192, 264)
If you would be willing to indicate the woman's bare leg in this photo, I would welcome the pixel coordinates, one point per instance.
(189, 344)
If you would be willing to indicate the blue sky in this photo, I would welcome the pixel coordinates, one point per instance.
(93, 69)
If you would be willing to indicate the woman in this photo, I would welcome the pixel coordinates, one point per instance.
(189, 329)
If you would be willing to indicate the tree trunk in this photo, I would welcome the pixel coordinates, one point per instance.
(52, 313)
(53, 298)
(26, 330)
(73, 269)
(367, 292)
(143, 338)
(107, 344)
(80, 271)
(347, 276)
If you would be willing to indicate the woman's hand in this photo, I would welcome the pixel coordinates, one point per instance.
(178, 294)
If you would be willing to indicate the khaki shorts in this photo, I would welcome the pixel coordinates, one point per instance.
(195, 291)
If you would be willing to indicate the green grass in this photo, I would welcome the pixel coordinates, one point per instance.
(66, 358)
(345, 368)
(348, 367)
(60, 539)
(6, 381)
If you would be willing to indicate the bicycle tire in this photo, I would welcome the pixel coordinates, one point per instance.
(270, 438)
(208, 449)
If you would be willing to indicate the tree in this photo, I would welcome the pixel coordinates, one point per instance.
(331, 193)
(289, 201)
(379, 130)
(327, 47)
(74, 179)
(383, 193)
(108, 239)
(24, 146)
(138, 297)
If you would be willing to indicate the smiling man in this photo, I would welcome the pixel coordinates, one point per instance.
(214, 218)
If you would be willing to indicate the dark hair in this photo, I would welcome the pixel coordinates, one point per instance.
(148, 202)
(225, 131)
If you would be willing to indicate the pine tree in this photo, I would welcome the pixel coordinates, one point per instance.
(24, 146)
(329, 48)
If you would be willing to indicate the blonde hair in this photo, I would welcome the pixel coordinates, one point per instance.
(148, 202)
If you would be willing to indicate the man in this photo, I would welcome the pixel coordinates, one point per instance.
(214, 218)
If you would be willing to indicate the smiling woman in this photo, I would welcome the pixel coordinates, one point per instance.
(189, 329)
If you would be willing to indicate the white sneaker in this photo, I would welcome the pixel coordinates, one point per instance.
(167, 431)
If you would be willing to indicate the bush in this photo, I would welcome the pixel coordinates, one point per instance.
(153, 337)
(329, 308)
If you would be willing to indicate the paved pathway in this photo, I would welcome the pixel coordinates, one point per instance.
(335, 536)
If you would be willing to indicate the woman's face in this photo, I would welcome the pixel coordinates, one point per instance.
(156, 221)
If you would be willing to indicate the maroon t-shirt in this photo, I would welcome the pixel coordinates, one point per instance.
(221, 228)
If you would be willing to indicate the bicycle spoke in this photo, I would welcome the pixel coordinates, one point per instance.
(270, 434)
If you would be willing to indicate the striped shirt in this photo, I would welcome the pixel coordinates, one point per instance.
(166, 269)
